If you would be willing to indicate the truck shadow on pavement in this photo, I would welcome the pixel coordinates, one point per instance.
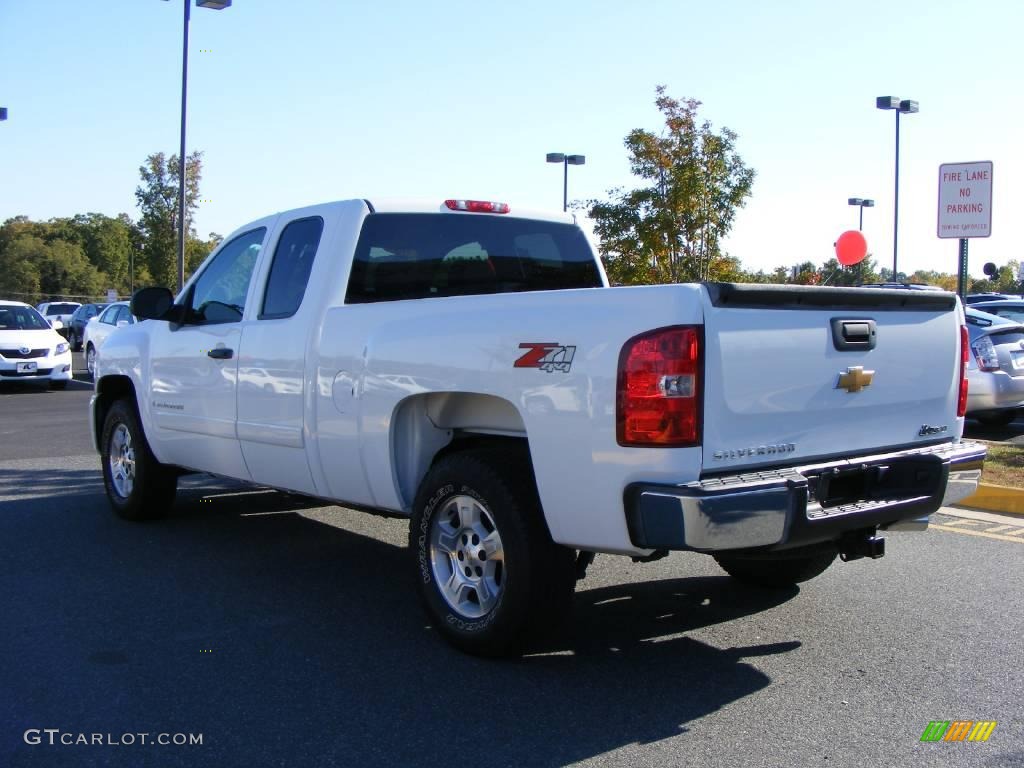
(290, 640)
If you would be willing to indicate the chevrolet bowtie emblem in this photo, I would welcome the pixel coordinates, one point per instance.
(855, 379)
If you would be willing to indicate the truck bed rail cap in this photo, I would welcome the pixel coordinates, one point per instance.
(758, 296)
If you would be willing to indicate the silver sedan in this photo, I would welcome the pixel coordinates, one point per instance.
(995, 368)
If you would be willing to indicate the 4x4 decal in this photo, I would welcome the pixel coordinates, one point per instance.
(548, 357)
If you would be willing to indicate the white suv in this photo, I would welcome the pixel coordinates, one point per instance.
(30, 350)
(58, 314)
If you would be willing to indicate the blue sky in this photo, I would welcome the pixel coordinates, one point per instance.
(313, 100)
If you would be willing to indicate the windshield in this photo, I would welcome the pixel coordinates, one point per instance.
(21, 319)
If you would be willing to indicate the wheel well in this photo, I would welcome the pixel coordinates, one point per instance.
(110, 389)
(427, 427)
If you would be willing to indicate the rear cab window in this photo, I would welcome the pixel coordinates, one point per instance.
(429, 255)
(289, 271)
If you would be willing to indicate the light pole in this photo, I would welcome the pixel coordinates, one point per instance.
(862, 203)
(217, 5)
(566, 161)
(904, 106)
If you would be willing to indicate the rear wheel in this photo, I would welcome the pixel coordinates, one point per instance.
(489, 575)
(997, 418)
(776, 572)
(74, 342)
(138, 486)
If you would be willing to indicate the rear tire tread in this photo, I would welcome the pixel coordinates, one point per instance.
(537, 596)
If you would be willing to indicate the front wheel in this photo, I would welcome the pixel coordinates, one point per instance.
(489, 575)
(90, 361)
(777, 572)
(138, 486)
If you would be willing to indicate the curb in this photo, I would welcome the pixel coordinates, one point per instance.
(996, 498)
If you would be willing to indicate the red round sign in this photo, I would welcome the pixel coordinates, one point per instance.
(851, 248)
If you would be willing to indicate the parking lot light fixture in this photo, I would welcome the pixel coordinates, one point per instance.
(862, 204)
(900, 106)
(216, 5)
(566, 161)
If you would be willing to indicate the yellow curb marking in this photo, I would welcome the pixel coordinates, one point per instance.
(1019, 532)
(998, 536)
(999, 528)
(963, 522)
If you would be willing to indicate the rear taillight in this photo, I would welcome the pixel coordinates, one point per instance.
(985, 353)
(659, 388)
(961, 405)
(476, 206)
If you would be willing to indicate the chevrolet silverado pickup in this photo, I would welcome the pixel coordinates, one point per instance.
(467, 366)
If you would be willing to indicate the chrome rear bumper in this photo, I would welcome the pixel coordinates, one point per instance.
(795, 506)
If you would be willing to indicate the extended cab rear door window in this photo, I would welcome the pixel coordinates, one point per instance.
(289, 272)
(425, 255)
(218, 296)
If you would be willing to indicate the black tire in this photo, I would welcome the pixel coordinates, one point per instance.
(777, 572)
(152, 487)
(90, 367)
(528, 581)
(74, 342)
(997, 418)
(58, 385)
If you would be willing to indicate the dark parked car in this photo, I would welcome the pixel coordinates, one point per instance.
(76, 325)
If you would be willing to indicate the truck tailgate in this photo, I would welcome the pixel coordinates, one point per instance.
(795, 373)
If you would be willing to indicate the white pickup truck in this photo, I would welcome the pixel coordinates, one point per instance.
(467, 366)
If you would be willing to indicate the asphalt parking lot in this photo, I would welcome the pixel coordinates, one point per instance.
(288, 633)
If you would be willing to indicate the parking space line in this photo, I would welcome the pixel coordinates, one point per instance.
(999, 528)
(998, 536)
(963, 521)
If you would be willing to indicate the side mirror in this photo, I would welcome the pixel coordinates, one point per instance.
(151, 303)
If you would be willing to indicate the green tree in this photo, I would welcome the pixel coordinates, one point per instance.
(110, 244)
(157, 198)
(671, 230)
(29, 265)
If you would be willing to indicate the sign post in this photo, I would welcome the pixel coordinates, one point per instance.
(965, 207)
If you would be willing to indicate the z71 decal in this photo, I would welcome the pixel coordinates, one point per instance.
(547, 357)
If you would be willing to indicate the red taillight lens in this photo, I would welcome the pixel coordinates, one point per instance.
(476, 206)
(961, 405)
(659, 388)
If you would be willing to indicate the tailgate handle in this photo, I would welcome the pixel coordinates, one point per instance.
(853, 334)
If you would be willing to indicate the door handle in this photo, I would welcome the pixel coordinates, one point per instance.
(221, 353)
